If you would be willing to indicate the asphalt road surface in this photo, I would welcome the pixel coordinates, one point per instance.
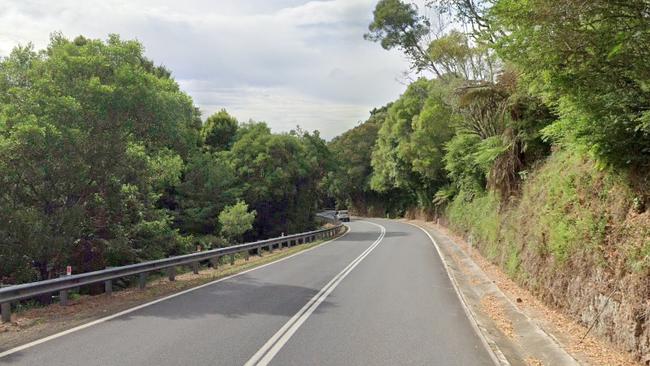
(377, 296)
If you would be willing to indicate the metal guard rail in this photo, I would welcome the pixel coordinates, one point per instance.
(63, 284)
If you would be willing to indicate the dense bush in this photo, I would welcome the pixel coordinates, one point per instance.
(105, 161)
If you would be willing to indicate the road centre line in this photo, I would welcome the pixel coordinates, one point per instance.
(271, 348)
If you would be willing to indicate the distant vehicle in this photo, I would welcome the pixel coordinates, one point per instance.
(342, 215)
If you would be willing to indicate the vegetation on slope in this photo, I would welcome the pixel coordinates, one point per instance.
(532, 138)
(105, 161)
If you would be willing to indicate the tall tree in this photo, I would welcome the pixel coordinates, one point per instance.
(399, 25)
(89, 132)
(409, 149)
(219, 131)
(589, 61)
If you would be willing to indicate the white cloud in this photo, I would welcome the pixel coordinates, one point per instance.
(285, 62)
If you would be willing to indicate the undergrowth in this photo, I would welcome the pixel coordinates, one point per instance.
(568, 207)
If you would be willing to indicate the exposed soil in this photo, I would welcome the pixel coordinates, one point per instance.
(590, 350)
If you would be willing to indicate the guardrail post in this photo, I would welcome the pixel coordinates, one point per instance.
(142, 280)
(108, 287)
(6, 312)
(247, 255)
(171, 273)
(195, 267)
(271, 248)
(232, 259)
(63, 297)
(215, 262)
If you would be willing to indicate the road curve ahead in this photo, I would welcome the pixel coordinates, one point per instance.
(377, 296)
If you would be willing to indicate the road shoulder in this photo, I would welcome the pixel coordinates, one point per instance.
(37, 323)
(514, 337)
(562, 330)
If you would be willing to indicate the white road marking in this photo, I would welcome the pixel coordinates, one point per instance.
(101, 320)
(271, 348)
(490, 346)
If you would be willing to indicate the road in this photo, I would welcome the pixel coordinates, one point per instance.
(377, 296)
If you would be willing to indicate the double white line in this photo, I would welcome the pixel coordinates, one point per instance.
(265, 354)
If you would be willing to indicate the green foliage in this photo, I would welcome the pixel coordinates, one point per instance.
(89, 133)
(478, 216)
(398, 25)
(235, 220)
(105, 162)
(219, 131)
(209, 184)
(348, 182)
(461, 165)
(280, 176)
(456, 57)
(562, 216)
(589, 61)
(410, 144)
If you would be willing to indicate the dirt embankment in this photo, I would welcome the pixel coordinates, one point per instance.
(579, 239)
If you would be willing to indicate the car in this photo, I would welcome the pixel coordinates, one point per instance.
(342, 215)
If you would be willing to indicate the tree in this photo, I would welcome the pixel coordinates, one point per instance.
(457, 58)
(218, 132)
(348, 182)
(398, 25)
(589, 61)
(209, 184)
(90, 132)
(235, 220)
(471, 14)
(280, 177)
(410, 144)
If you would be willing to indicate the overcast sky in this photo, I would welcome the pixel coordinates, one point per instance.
(286, 62)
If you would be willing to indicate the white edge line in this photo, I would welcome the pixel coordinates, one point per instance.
(493, 350)
(130, 310)
(536, 325)
(268, 351)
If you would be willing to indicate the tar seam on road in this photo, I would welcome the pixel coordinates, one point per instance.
(271, 348)
(497, 356)
(127, 311)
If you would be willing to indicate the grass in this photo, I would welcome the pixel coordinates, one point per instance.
(576, 232)
(568, 207)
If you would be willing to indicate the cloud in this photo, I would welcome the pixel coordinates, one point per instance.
(286, 62)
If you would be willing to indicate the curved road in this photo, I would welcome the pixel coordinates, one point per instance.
(377, 296)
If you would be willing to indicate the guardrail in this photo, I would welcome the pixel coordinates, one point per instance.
(328, 216)
(64, 284)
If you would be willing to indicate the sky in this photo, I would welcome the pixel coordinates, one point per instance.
(285, 62)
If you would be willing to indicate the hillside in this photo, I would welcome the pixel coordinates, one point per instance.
(527, 132)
